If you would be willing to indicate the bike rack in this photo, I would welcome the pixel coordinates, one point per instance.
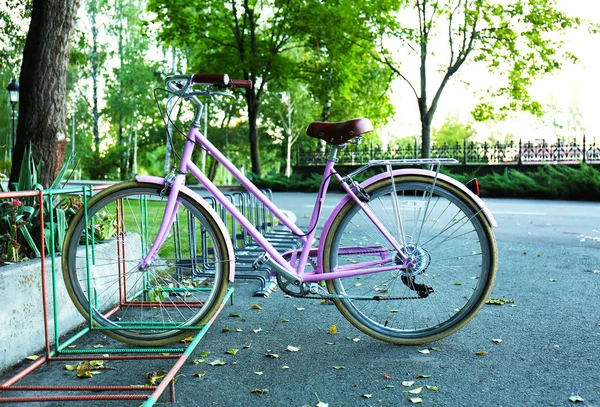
(61, 352)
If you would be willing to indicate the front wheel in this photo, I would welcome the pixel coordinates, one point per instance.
(163, 302)
(453, 260)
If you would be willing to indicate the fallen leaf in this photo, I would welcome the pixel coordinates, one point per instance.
(272, 355)
(72, 367)
(385, 376)
(232, 351)
(188, 339)
(367, 396)
(333, 330)
(255, 306)
(258, 373)
(497, 340)
(257, 330)
(416, 391)
(425, 351)
(300, 309)
(329, 343)
(481, 353)
(153, 377)
(98, 364)
(433, 388)
(285, 367)
(239, 330)
(204, 353)
(576, 399)
(260, 392)
(200, 374)
(321, 404)
(408, 383)
(423, 376)
(291, 348)
(338, 367)
(198, 361)
(84, 374)
(499, 301)
(218, 362)
(98, 346)
(226, 329)
(284, 320)
(234, 315)
(389, 386)
(33, 357)
(415, 400)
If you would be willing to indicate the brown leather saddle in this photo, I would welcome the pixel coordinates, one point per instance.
(341, 132)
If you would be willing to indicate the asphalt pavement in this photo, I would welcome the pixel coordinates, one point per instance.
(539, 349)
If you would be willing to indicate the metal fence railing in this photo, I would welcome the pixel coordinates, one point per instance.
(539, 151)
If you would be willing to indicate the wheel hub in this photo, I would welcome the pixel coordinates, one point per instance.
(418, 260)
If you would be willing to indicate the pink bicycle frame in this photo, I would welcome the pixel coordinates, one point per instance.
(276, 259)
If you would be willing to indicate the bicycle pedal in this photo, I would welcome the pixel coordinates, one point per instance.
(260, 261)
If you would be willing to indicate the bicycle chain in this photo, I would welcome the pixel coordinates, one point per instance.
(375, 298)
(324, 297)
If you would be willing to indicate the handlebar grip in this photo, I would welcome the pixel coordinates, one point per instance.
(211, 79)
(240, 83)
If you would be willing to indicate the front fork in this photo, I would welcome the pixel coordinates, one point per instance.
(174, 182)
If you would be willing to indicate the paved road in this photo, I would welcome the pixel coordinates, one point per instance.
(548, 264)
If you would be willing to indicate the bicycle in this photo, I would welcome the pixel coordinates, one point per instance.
(408, 256)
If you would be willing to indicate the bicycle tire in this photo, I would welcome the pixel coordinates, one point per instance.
(455, 255)
(179, 291)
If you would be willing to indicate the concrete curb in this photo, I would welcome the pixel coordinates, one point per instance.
(22, 318)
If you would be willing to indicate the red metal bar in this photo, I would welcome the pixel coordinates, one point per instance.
(172, 391)
(18, 194)
(74, 398)
(120, 243)
(191, 304)
(43, 260)
(169, 377)
(78, 388)
(127, 357)
(24, 372)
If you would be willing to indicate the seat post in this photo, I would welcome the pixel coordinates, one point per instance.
(333, 152)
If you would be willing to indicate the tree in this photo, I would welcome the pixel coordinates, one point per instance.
(13, 30)
(43, 81)
(453, 132)
(516, 40)
(263, 41)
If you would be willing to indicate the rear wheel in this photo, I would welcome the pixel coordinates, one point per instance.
(453, 260)
(166, 301)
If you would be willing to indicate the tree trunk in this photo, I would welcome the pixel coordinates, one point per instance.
(253, 135)
(43, 81)
(425, 138)
(95, 113)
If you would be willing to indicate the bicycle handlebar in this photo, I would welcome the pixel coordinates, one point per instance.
(240, 83)
(211, 79)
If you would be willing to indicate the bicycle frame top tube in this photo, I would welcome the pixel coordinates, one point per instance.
(307, 239)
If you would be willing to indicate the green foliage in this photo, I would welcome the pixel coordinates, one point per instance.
(20, 220)
(548, 182)
(452, 132)
(325, 45)
(517, 41)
